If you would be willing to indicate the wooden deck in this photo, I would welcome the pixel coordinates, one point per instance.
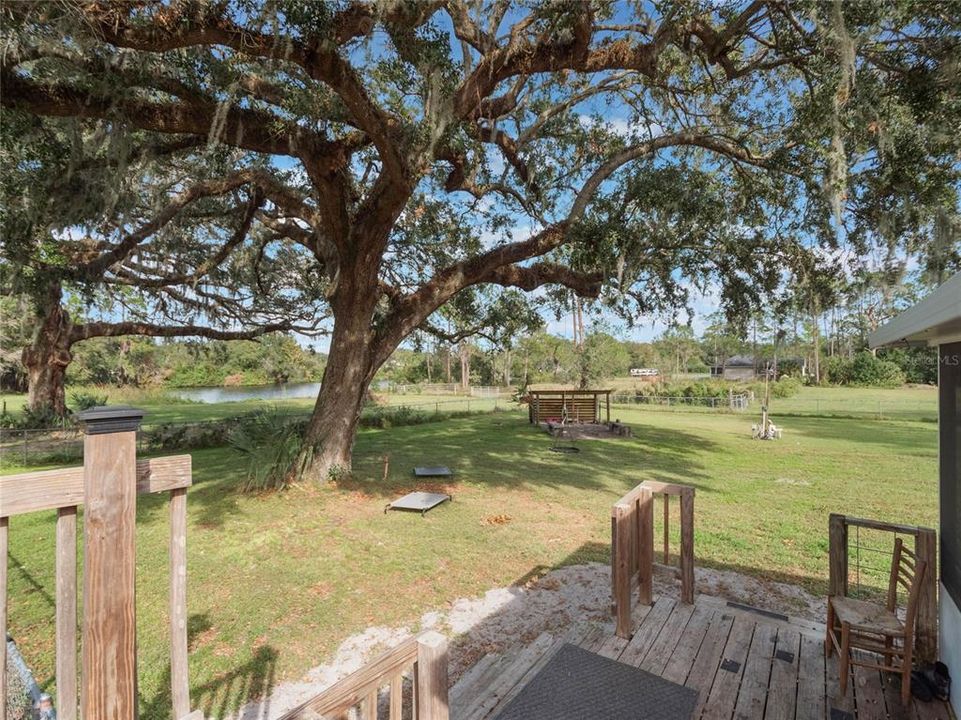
(743, 663)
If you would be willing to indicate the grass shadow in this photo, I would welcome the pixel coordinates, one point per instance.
(910, 438)
(229, 691)
(505, 451)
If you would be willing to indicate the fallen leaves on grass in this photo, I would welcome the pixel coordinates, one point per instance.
(496, 520)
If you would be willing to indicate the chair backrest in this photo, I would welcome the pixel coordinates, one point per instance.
(908, 572)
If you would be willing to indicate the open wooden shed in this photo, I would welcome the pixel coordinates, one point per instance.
(576, 405)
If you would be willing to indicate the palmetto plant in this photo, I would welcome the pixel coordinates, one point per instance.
(270, 440)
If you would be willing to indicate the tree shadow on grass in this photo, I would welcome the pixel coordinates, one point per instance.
(218, 480)
(32, 583)
(497, 451)
(224, 695)
(500, 450)
(507, 452)
(908, 439)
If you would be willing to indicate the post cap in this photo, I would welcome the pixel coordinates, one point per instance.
(110, 419)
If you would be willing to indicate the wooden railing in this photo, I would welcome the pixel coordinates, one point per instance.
(925, 547)
(422, 658)
(106, 486)
(632, 546)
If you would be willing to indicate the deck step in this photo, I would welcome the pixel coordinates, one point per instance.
(494, 680)
(480, 707)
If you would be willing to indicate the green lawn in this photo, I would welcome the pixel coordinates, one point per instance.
(278, 581)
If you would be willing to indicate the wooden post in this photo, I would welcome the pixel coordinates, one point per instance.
(645, 529)
(432, 677)
(925, 547)
(687, 546)
(621, 568)
(4, 527)
(66, 613)
(667, 528)
(837, 555)
(396, 709)
(179, 683)
(109, 666)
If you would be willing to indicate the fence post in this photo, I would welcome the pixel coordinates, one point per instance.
(109, 655)
(431, 672)
(837, 555)
(925, 547)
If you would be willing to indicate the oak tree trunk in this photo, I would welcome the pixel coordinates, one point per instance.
(356, 353)
(47, 357)
(329, 438)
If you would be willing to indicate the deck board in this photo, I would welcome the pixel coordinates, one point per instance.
(783, 690)
(744, 665)
(757, 674)
(811, 688)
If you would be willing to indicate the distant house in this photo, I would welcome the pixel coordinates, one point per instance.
(736, 367)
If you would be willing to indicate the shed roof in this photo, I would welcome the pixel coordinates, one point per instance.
(562, 391)
(933, 321)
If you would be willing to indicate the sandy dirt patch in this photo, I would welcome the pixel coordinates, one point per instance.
(515, 615)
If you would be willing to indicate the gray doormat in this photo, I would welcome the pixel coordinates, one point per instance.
(419, 501)
(577, 684)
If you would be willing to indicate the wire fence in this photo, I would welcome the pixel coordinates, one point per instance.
(451, 389)
(43, 446)
(736, 402)
(883, 409)
(860, 408)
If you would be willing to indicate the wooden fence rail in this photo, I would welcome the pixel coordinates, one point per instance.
(925, 547)
(107, 486)
(632, 546)
(423, 658)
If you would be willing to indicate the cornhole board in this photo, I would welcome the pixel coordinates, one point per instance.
(433, 471)
(418, 502)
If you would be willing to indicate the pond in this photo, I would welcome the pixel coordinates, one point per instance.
(286, 391)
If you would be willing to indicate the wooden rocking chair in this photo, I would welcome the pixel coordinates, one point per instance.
(859, 625)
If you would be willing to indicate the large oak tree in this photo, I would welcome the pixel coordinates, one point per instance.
(444, 144)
